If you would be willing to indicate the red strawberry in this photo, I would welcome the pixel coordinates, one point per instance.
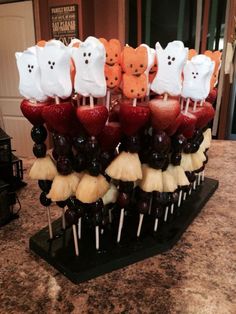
(212, 96)
(92, 119)
(163, 112)
(187, 125)
(173, 127)
(60, 118)
(110, 136)
(132, 119)
(114, 113)
(33, 112)
(203, 114)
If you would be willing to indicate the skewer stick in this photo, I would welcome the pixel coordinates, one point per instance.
(172, 208)
(140, 224)
(63, 218)
(49, 223)
(84, 101)
(108, 99)
(134, 102)
(201, 103)
(190, 191)
(180, 198)
(195, 105)
(182, 104)
(187, 105)
(185, 195)
(165, 96)
(150, 207)
(91, 100)
(78, 100)
(57, 100)
(199, 179)
(75, 240)
(120, 224)
(195, 184)
(110, 215)
(97, 237)
(203, 175)
(166, 213)
(79, 228)
(156, 225)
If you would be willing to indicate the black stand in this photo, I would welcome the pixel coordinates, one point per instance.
(59, 252)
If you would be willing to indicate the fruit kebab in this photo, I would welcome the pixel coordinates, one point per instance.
(126, 167)
(32, 106)
(89, 59)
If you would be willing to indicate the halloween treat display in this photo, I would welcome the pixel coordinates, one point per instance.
(118, 174)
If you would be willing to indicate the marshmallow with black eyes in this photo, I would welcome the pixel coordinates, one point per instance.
(151, 60)
(29, 72)
(170, 62)
(197, 77)
(54, 62)
(89, 61)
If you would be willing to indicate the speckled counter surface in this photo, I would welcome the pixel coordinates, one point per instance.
(197, 276)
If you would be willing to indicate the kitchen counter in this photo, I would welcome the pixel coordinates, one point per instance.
(197, 276)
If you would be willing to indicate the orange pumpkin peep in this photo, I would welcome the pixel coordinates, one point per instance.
(191, 53)
(134, 86)
(113, 75)
(153, 71)
(134, 61)
(113, 50)
(216, 57)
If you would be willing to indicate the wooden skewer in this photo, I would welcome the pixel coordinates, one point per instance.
(120, 224)
(140, 224)
(84, 101)
(110, 215)
(165, 96)
(172, 208)
(195, 184)
(201, 103)
(79, 228)
(180, 198)
(75, 240)
(156, 225)
(199, 179)
(190, 191)
(57, 100)
(134, 102)
(203, 175)
(91, 100)
(97, 237)
(182, 104)
(63, 218)
(195, 105)
(185, 195)
(166, 213)
(49, 223)
(150, 206)
(187, 105)
(108, 99)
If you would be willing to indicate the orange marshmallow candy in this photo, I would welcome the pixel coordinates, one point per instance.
(134, 61)
(113, 75)
(113, 50)
(134, 86)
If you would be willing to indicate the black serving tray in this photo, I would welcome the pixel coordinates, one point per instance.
(59, 252)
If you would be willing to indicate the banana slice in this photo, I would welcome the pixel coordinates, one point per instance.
(125, 167)
(43, 169)
(152, 179)
(111, 195)
(207, 137)
(186, 162)
(179, 175)
(91, 188)
(63, 187)
(169, 182)
(196, 161)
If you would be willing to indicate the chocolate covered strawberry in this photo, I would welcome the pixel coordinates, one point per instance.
(163, 112)
(33, 111)
(133, 118)
(93, 119)
(110, 136)
(187, 125)
(60, 118)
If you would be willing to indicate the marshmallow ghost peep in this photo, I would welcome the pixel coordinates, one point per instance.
(89, 61)
(197, 77)
(29, 72)
(151, 54)
(54, 62)
(170, 64)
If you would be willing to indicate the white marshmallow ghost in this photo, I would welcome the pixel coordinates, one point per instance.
(54, 62)
(197, 77)
(151, 60)
(74, 42)
(170, 65)
(29, 72)
(89, 61)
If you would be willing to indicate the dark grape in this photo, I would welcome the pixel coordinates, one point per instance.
(71, 217)
(62, 145)
(125, 186)
(143, 195)
(61, 204)
(175, 197)
(92, 147)
(206, 161)
(188, 148)
(44, 200)
(143, 207)
(64, 165)
(158, 211)
(156, 160)
(38, 134)
(132, 144)
(79, 143)
(105, 159)
(161, 142)
(96, 206)
(55, 154)
(176, 159)
(191, 176)
(166, 163)
(94, 167)
(123, 199)
(79, 163)
(45, 185)
(178, 142)
(97, 219)
(194, 147)
(39, 150)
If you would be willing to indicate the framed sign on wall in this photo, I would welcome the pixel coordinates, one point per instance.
(64, 22)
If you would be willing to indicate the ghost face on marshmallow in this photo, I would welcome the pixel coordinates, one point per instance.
(54, 62)
(89, 61)
(197, 77)
(170, 65)
(29, 72)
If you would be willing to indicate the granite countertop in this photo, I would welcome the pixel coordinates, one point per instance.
(197, 276)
